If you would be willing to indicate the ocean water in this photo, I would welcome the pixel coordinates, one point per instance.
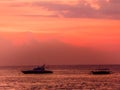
(65, 77)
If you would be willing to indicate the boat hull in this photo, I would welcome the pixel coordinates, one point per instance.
(37, 72)
(100, 72)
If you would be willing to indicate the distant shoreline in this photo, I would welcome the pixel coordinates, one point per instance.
(63, 65)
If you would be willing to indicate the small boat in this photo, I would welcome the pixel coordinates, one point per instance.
(37, 70)
(101, 71)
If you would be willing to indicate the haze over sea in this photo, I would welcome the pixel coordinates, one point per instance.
(65, 77)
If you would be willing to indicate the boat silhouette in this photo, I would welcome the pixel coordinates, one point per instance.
(38, 70)
(101, 71)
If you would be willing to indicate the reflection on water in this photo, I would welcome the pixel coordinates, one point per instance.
(63, 78)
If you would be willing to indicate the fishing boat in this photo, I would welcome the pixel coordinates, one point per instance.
(37, 70)
(101, 71)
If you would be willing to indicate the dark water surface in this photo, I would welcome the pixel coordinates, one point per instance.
(65, 77)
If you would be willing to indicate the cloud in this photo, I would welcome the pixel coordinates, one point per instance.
(111, 10)
(30, 15)
(84, 9)
(108, 9)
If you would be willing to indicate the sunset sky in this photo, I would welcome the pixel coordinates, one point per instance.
(34, 32)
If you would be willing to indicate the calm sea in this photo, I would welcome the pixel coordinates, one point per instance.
(65, 77)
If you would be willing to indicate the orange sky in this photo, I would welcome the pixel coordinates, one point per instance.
(92, 25)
